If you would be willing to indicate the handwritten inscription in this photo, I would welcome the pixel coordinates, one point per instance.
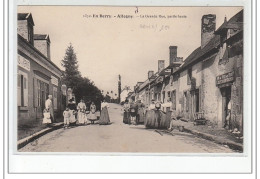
(155, 27)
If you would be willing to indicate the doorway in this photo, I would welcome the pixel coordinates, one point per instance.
(195, 101)
(226, 99)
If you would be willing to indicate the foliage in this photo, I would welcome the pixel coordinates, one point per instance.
(82, 87)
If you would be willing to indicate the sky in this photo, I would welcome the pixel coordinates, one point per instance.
(107, 47)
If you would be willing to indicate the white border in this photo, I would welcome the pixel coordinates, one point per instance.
(117, 164)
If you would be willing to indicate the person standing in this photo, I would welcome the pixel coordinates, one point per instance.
(66, 115)
(133, 112)
(72, 108)
(49, 107)
(140, 113)
(81, 112)
(152, 105)
(104, 116)
(92, 114)
(228, 115)
(126, 117)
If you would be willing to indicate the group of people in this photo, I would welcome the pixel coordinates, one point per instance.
(77, 114)
(133, 112)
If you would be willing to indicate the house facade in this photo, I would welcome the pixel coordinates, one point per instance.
(209, 80)
(37, 75)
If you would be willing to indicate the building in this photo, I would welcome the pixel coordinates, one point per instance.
(124, 93)
(209, 80)
(37, 75)
(211, 75)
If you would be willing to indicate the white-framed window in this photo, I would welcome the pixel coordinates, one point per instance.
(42, 93)
(22, 89)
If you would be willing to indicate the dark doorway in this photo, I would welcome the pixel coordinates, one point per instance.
(226, 97)
(197, 101)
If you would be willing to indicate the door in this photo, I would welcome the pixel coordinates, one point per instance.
(226, 97)
(195, 102)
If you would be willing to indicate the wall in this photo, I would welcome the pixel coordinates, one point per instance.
(22, 28)
(210, 94)
(42, 46)
(31, 112)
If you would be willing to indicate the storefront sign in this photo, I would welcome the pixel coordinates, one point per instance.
(225, 78)
(24, 63)
(54, 81)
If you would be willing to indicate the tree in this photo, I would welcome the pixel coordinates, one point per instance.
(83, 88)
(72, 75)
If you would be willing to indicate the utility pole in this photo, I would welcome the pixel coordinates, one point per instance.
(119, 88)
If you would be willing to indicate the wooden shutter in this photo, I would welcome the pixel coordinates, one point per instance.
(19, 90)
(25, 90)
(35, 93)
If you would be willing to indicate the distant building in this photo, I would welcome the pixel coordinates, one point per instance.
(124, 93)
(37, 75)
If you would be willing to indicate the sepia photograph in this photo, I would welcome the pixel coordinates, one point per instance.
(115, 79)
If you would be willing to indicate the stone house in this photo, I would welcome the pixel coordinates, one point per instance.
(37, 75)
(212, 75)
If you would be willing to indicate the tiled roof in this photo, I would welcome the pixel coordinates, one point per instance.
(41, 37)
(199, 52)
(25, 16)
(22, 16)
(236, 22)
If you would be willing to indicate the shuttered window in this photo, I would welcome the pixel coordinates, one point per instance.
(22, 89)
(42, 89)
(55, 98)
(174, 100)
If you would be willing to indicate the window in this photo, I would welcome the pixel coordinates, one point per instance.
(189, 76)
(42, 93)
(159, 96)
(186, 102)
(169, 95)
(155, 96)
(22, 89)
(55, 105)
(174, 100)
(163, 96)
(30, 33)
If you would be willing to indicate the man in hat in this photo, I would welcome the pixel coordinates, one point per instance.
(49, 107)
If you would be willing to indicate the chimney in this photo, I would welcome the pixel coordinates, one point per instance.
(42, 43)
(161, 65)
(25, 26)
(173, 54)
(208, 27)
(150, 74)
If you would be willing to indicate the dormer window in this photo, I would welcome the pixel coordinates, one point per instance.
(30, 33)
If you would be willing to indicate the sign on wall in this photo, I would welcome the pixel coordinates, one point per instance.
(54, 81)
(23, 62)
(225, 78)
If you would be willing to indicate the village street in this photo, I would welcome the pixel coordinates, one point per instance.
(120, 137)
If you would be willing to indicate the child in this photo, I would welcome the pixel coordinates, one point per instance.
(46, 117)
(66, 115)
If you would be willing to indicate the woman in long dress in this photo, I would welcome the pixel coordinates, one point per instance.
(126, 117)
(72, 108)
(104, 117)
(140, 114)
(92, 114)
(81, 112)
